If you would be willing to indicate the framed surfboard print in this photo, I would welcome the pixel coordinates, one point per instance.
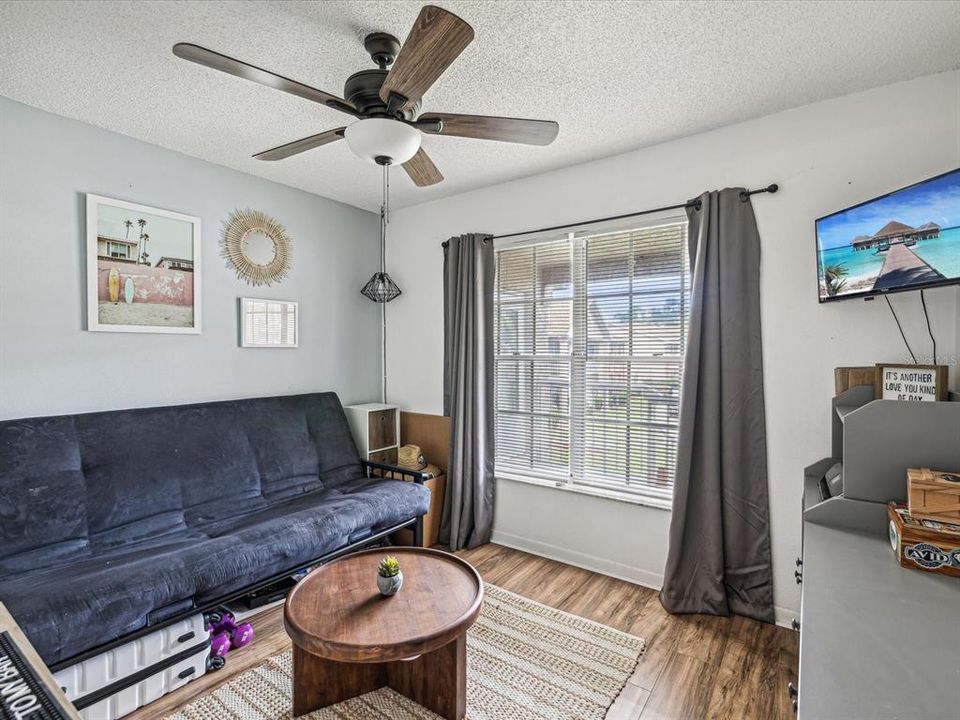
(143, 268)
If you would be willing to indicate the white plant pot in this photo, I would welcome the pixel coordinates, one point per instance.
(390, 585)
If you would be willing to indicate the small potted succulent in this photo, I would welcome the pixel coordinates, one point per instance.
(389, 576)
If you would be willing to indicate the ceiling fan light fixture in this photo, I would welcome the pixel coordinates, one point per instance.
(386, 103)
(373, 138)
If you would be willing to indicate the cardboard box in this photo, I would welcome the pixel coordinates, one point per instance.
(933, 494)
(431, 521)
(924, 544)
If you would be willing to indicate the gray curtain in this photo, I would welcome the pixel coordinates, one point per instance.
(719, 557)
(468, 272)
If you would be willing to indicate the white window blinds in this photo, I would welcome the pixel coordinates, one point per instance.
(589, 349)
(269, 323)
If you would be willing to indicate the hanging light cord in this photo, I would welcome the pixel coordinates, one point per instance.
(900, 327)
(384, 218)
(923, 302)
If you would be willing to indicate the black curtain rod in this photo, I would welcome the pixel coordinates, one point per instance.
(744, 196)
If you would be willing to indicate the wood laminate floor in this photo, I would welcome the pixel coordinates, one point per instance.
(696, 667)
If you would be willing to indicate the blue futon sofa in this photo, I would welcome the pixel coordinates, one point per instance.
(113, 523)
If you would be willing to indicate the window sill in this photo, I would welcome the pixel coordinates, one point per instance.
(657, 503)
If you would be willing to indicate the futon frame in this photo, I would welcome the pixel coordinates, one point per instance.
(369, 466)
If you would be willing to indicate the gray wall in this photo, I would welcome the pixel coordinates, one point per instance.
(50, 365)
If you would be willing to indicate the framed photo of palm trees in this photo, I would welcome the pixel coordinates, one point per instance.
(143, 268)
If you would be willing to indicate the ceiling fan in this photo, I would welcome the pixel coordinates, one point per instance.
(386, 103)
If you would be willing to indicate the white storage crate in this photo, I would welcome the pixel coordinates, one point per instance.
(117, 682)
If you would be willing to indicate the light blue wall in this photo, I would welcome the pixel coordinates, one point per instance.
(50, 365)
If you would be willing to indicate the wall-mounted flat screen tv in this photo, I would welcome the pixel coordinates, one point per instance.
(907, 240)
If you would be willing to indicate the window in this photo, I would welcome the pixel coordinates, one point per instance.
(118, 250)
(590, 333)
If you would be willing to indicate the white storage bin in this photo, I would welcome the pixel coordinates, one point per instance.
(117, 682)
(125, 701)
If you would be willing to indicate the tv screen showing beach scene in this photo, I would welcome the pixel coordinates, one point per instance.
(907, 240)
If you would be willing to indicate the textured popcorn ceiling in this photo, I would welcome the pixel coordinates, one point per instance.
(616, 75)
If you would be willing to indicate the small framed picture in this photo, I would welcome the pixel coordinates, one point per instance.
(916, 383)
(269, 323)
(143, 268)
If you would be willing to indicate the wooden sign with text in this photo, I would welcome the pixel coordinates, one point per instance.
(27, 689)
(916, 383)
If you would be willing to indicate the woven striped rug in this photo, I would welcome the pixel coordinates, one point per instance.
(525, 661)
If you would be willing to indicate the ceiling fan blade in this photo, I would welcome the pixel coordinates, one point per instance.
(223, 63)
(483, 127)
(435, 41)
(421, 170)
(298, 146)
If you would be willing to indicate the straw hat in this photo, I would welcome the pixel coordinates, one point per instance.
(411, 458)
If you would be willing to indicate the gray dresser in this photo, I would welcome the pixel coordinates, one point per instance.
(876, 640)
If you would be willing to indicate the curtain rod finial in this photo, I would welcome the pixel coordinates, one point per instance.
(772, 188)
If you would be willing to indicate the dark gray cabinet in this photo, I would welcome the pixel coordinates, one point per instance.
(877, 641)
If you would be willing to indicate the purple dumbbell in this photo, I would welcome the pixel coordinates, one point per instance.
(223, 620)
(219, 644)
(240, 634)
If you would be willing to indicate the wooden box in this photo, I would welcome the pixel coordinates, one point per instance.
(933, 494)
(845, 378)
(924, 544)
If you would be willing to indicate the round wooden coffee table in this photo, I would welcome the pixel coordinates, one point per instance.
(349, 640)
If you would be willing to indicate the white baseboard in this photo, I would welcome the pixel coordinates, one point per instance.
(782, 615)
(635, 575)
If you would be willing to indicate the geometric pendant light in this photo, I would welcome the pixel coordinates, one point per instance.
(380, 287)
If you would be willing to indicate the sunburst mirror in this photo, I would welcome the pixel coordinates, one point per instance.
(256, 246)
